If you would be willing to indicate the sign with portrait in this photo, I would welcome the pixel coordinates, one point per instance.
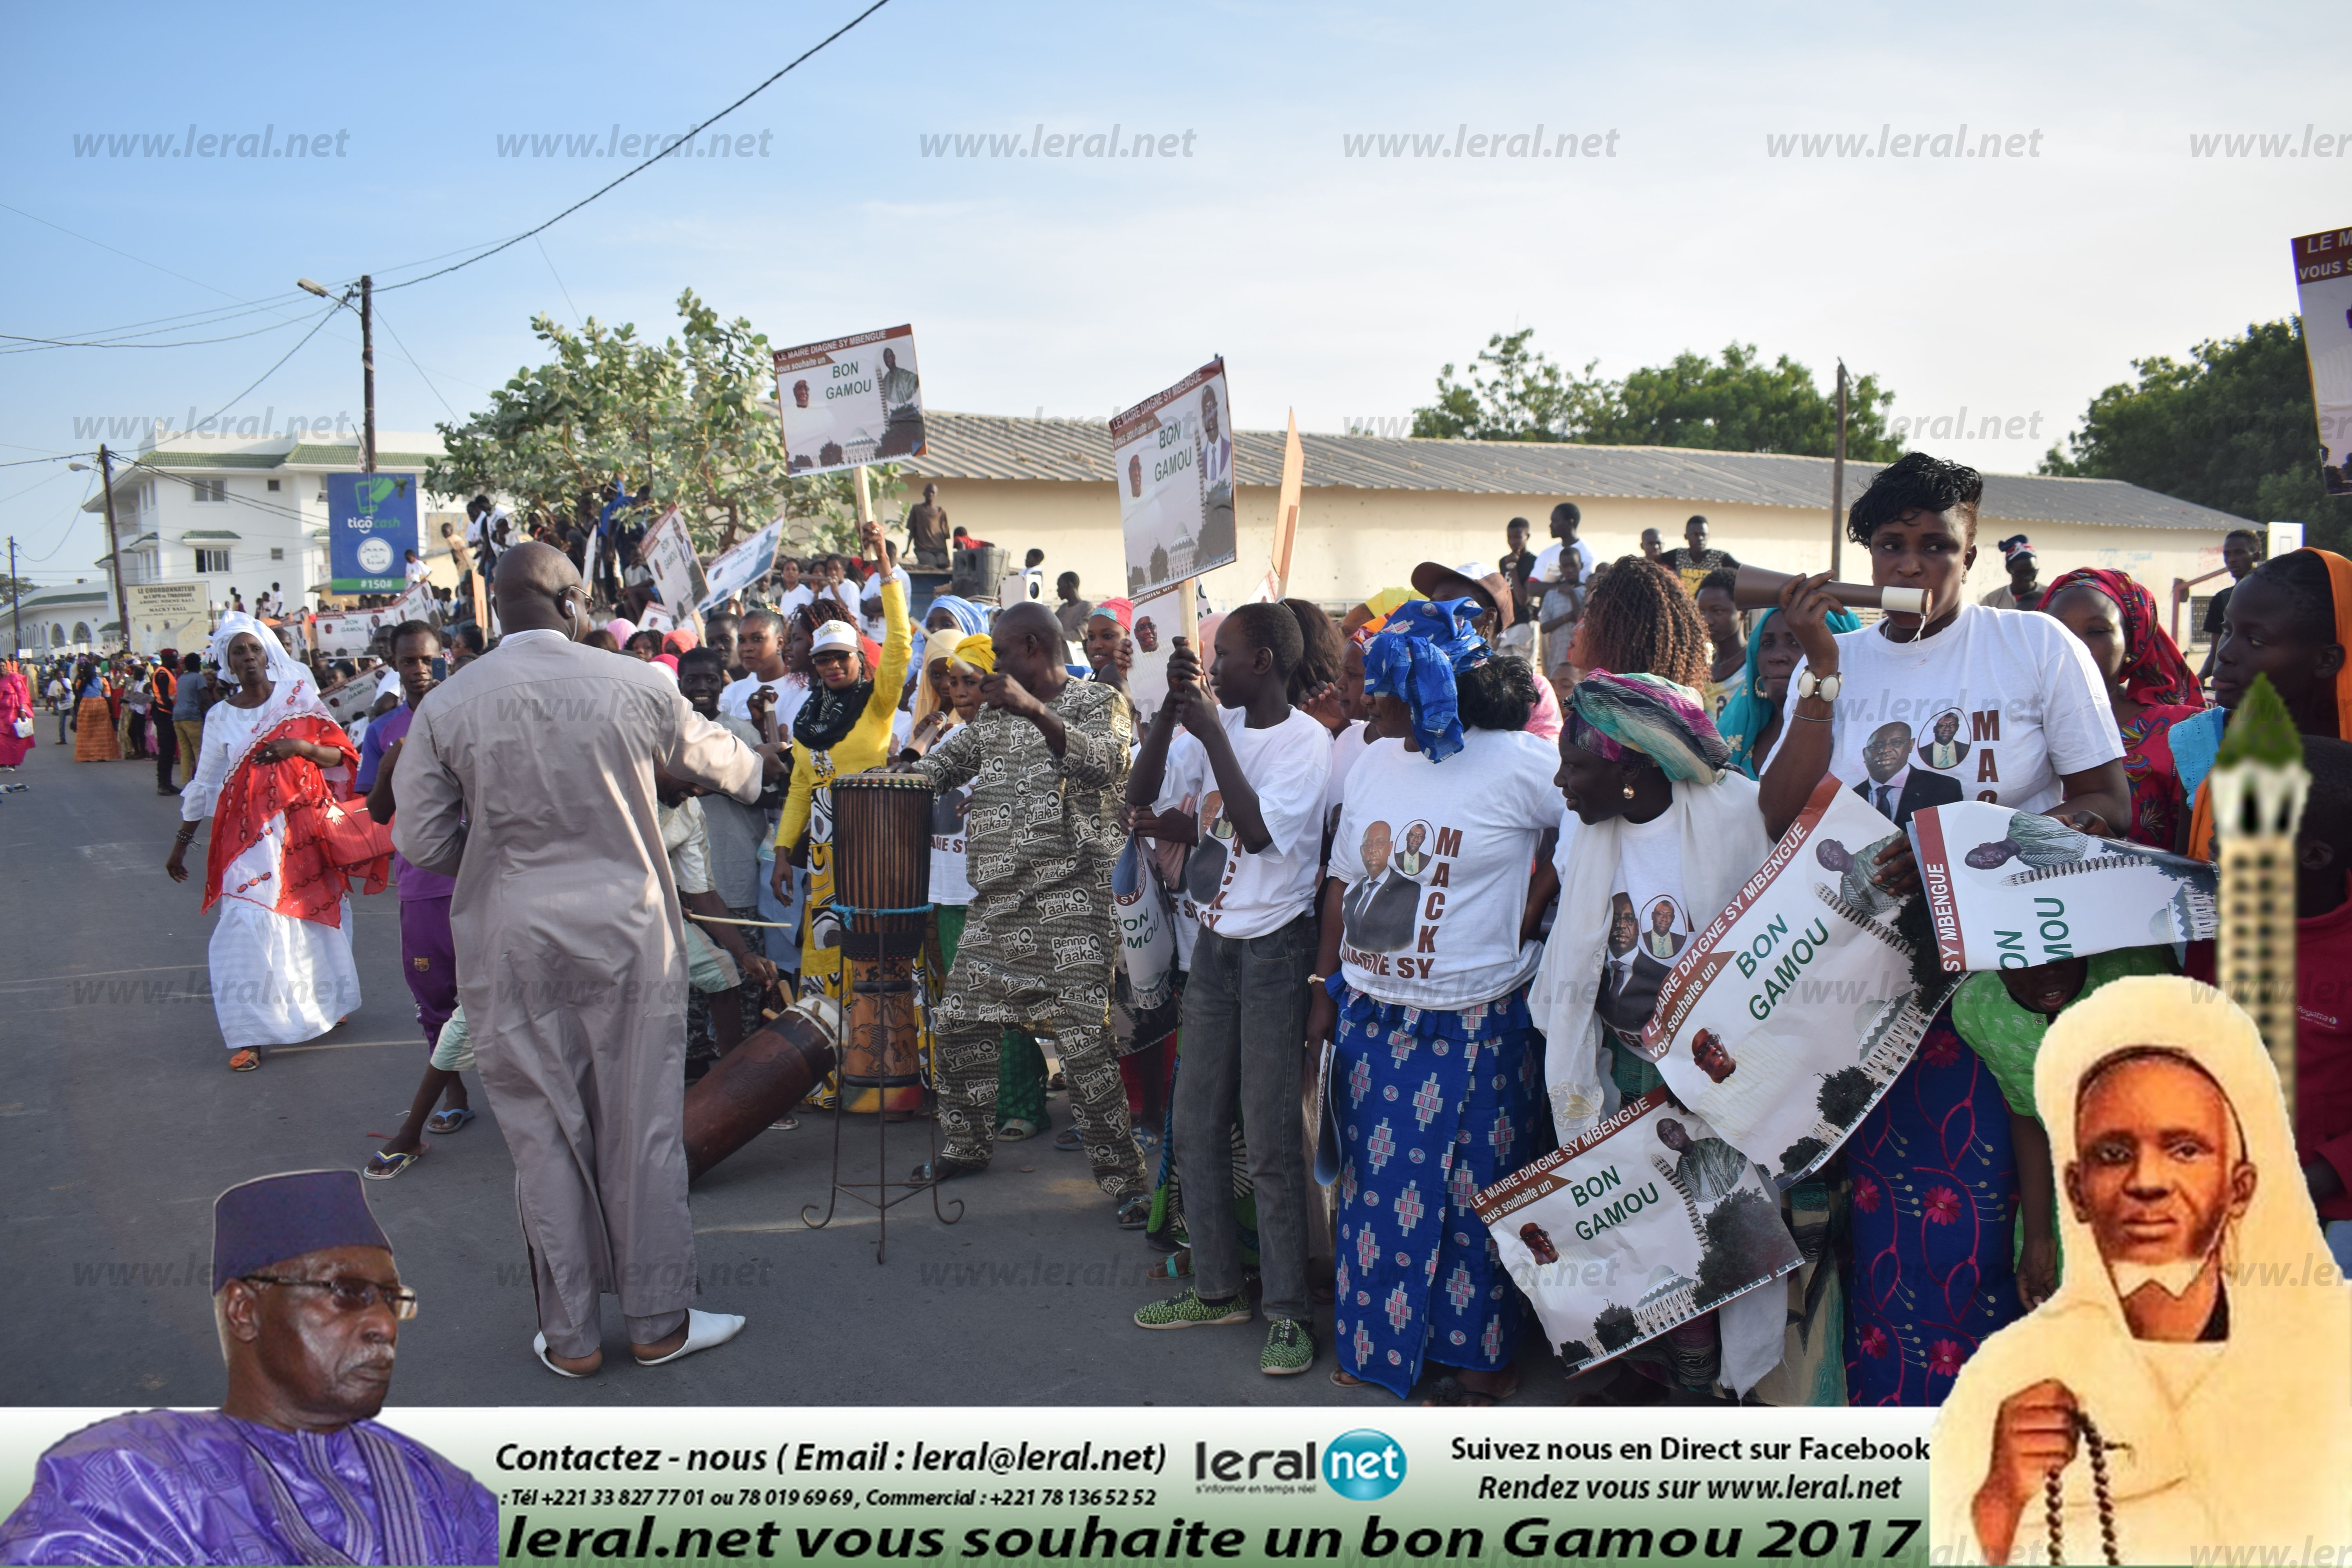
(2322, 283)
(1785, 1019)
(732, 570)
(669, 554)
(371, 528)
(850, 401)
(169, 614)
(1173, 455)
(2011, 889)
(1637, 1226)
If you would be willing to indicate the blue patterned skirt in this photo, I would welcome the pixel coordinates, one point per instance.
(1933, 1202)
(1433, 1106)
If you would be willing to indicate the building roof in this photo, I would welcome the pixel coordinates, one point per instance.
(994, 446)
(208, 534)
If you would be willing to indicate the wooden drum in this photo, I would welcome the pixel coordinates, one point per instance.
(882, 863)
(881, 1039)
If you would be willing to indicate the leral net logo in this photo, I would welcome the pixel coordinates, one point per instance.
(1363, 1465)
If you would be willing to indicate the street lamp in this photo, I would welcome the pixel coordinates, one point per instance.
(367, 357)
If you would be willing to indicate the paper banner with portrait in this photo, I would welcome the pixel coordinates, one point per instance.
(848, 401)
(2322, 283)
(349, 634)
(1173, 455)
(1785, 1019)
(669, 554)
(2009, 890)
(1637, 1226)
(732, 570)
(1154, 635)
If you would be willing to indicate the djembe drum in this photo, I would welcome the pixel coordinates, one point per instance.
(882, 892)
(882, 896)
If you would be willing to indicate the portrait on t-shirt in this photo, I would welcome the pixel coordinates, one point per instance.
(1629, 978)
(1663, 936)
(1896, 787)
(1943, 750)
(1410, 857)
(1378, 914)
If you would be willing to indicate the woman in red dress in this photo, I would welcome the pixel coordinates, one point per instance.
(2149, 684)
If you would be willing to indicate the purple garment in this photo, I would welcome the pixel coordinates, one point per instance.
(407, 881)
(198, 1487)
(428, 957)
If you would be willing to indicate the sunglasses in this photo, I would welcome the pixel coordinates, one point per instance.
(349, 1293)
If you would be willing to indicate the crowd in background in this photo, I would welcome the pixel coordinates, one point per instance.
(1393, 831)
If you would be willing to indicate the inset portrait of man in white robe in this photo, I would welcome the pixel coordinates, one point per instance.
(2201, 1336)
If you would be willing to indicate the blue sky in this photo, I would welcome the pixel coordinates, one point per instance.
(2011, 286)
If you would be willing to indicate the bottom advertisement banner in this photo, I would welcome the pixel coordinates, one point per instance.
(1382, 1484)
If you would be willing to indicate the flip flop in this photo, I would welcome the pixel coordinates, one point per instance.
(244, 1060)
(383, 1167)
(439, 1122)
(539, 1349)
(704, 1330)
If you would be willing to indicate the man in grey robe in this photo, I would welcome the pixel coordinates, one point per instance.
(533, 784)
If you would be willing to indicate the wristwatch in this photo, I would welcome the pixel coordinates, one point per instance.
(1825, 687)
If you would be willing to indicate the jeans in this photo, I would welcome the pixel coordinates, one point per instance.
(1244, 1051)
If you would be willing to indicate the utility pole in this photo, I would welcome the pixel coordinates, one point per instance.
(1837, 481)
(367, 370)
(115, 544)
(17, 593)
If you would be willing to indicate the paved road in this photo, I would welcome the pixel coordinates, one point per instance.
(118, 1123)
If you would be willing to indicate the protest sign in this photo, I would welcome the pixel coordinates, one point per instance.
(2322, 283)
(732, 570)
(669, 554)
(2009, 890)
(349, 634)
(1173, 453)
(1635, 1228)
(370, 528)
(169, 614)
(849, 401)
(1155, 633)
(656, 619)
(1787, 1017)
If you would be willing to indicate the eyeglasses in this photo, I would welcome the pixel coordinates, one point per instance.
(350, 1294)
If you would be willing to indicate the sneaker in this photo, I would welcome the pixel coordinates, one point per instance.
(1289, 1348)
(1187, 1311)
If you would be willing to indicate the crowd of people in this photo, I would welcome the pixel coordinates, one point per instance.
(1395, 845)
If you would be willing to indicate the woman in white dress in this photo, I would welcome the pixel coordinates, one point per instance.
(288, 839)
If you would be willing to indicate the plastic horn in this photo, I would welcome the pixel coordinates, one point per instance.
(1758, 589)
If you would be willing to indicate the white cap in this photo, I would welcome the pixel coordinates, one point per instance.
(833, 634)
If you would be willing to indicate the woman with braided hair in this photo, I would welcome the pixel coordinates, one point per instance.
(1638, 621)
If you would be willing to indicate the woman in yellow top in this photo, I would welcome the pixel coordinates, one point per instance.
(843, 728)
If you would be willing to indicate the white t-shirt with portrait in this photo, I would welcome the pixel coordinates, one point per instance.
(1434, 857)
(1649, 924)
(1180, 790)
(1227, 888)
(1996, 706)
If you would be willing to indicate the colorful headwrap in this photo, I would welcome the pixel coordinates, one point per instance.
(2015, 545)
(980, 652)
(941, 643)
(1665, 722)
(970, 617)
(1119, 610)
(621, 630)
(1744, 717)
(2153, 672)
(1425, 645)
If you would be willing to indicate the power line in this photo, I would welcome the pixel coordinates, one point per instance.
(36, 344)
(86, 239)
(324, 317)
(210, 316)
(686, 140)
(411, 359)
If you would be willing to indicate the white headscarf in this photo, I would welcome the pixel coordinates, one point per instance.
(941, 643)
(293, 690)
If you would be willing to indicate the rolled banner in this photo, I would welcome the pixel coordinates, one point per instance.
(1147, 947)
(1758, 588)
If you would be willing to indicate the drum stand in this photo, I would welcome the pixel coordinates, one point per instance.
(881, 981)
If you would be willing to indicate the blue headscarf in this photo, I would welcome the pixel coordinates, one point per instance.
(1744, 717)
(970, 619)
(1426, 644)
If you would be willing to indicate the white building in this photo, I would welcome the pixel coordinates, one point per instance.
(69, 617)
(244, 514)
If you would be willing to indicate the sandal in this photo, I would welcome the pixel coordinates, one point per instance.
(1135, 1213)
(244, 1060)
(1069, 1141)
(1451, 1390)
(383, 1167)
(946, 1168)
(1341, 1378)
(449, 1120)
(1018, 1129)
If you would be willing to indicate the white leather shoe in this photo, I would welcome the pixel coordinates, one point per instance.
(703, 1331)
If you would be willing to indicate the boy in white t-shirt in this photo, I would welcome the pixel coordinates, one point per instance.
(1253, 876)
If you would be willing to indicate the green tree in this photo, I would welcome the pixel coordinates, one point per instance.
(693, 418)
(2232, 427)
(1512, 394)
(1743, 404)
(1740, 404)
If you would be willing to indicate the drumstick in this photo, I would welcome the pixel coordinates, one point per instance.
(727, 921)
